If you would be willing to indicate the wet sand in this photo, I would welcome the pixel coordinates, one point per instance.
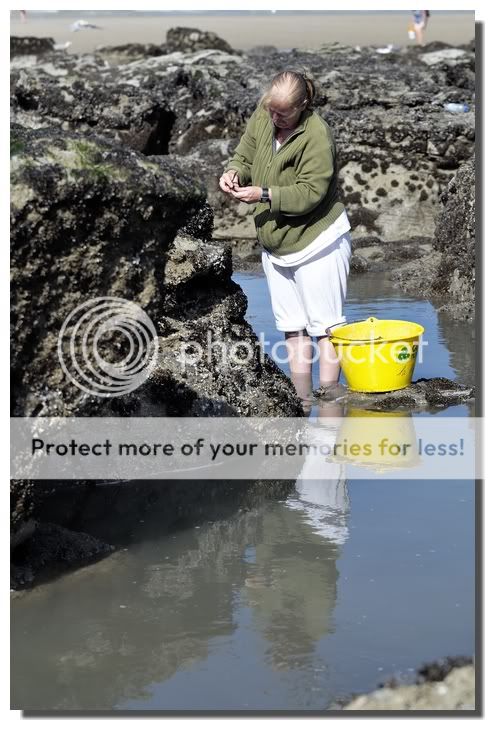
(242, 32)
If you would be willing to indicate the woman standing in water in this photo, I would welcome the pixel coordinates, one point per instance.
(286, 163)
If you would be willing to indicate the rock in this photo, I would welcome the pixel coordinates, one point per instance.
(129, 52)
(30, 45)
(189, 40)
(359, 264)
(116, 514)
(51, 548)
(447, 274)
(372, 254)
(416, 277)
(397, 147)
(455, 238)
(262, 51)
(246, 255)
(449, 56)
(69, 245)
(91, 218)
(21, 504)
(451, 689)
(457, 64)
(438, 670)
(442, 392)
(422, 394)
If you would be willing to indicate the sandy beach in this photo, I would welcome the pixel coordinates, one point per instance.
(242, 32)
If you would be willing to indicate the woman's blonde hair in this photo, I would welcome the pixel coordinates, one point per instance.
(295, 87)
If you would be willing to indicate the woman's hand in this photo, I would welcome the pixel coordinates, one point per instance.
(251, 194)
(229, 180)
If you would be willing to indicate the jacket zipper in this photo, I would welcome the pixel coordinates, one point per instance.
(296, 131)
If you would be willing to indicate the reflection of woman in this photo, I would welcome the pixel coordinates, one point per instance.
(291, 590)
(321, 487)
(291, 587)
(286, 164)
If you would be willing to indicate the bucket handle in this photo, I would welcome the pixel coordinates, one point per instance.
(370, 320)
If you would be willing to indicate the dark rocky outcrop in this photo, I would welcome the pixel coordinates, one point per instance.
(423, 394)
(50, 549)
(30, 45)
(184, 40)
(398, 147)
(455, 238)
(128, 52)
(190, 40)
(447, 274)
(91, 218)
(262, 51)
(77, 523)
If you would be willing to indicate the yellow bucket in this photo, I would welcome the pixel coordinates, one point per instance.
(377, 355)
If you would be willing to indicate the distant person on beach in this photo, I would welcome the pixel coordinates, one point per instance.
(420, 21)
(286, 164)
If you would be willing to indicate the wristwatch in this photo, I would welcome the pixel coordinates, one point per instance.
(265, 195)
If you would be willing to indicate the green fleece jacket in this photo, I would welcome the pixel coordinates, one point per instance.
(302, 175)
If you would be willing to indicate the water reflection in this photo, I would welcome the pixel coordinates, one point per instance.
(105, 636)
(321, 490)
(387, 440)
(291, 589)
(459, 338)
(292, 583)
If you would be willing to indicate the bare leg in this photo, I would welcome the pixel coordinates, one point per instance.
(300, 353)
(419, 35)
(329, 362)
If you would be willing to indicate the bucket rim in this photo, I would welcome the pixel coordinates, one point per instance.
(365, 340)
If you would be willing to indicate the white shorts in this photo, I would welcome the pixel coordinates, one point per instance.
(310, 296)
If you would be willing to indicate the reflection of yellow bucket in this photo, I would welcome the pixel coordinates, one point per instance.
(382, 441)
(377, 355)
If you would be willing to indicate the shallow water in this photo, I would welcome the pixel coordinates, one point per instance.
(449, 345)
(285, 606)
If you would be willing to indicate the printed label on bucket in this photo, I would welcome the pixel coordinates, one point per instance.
(404, 353)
